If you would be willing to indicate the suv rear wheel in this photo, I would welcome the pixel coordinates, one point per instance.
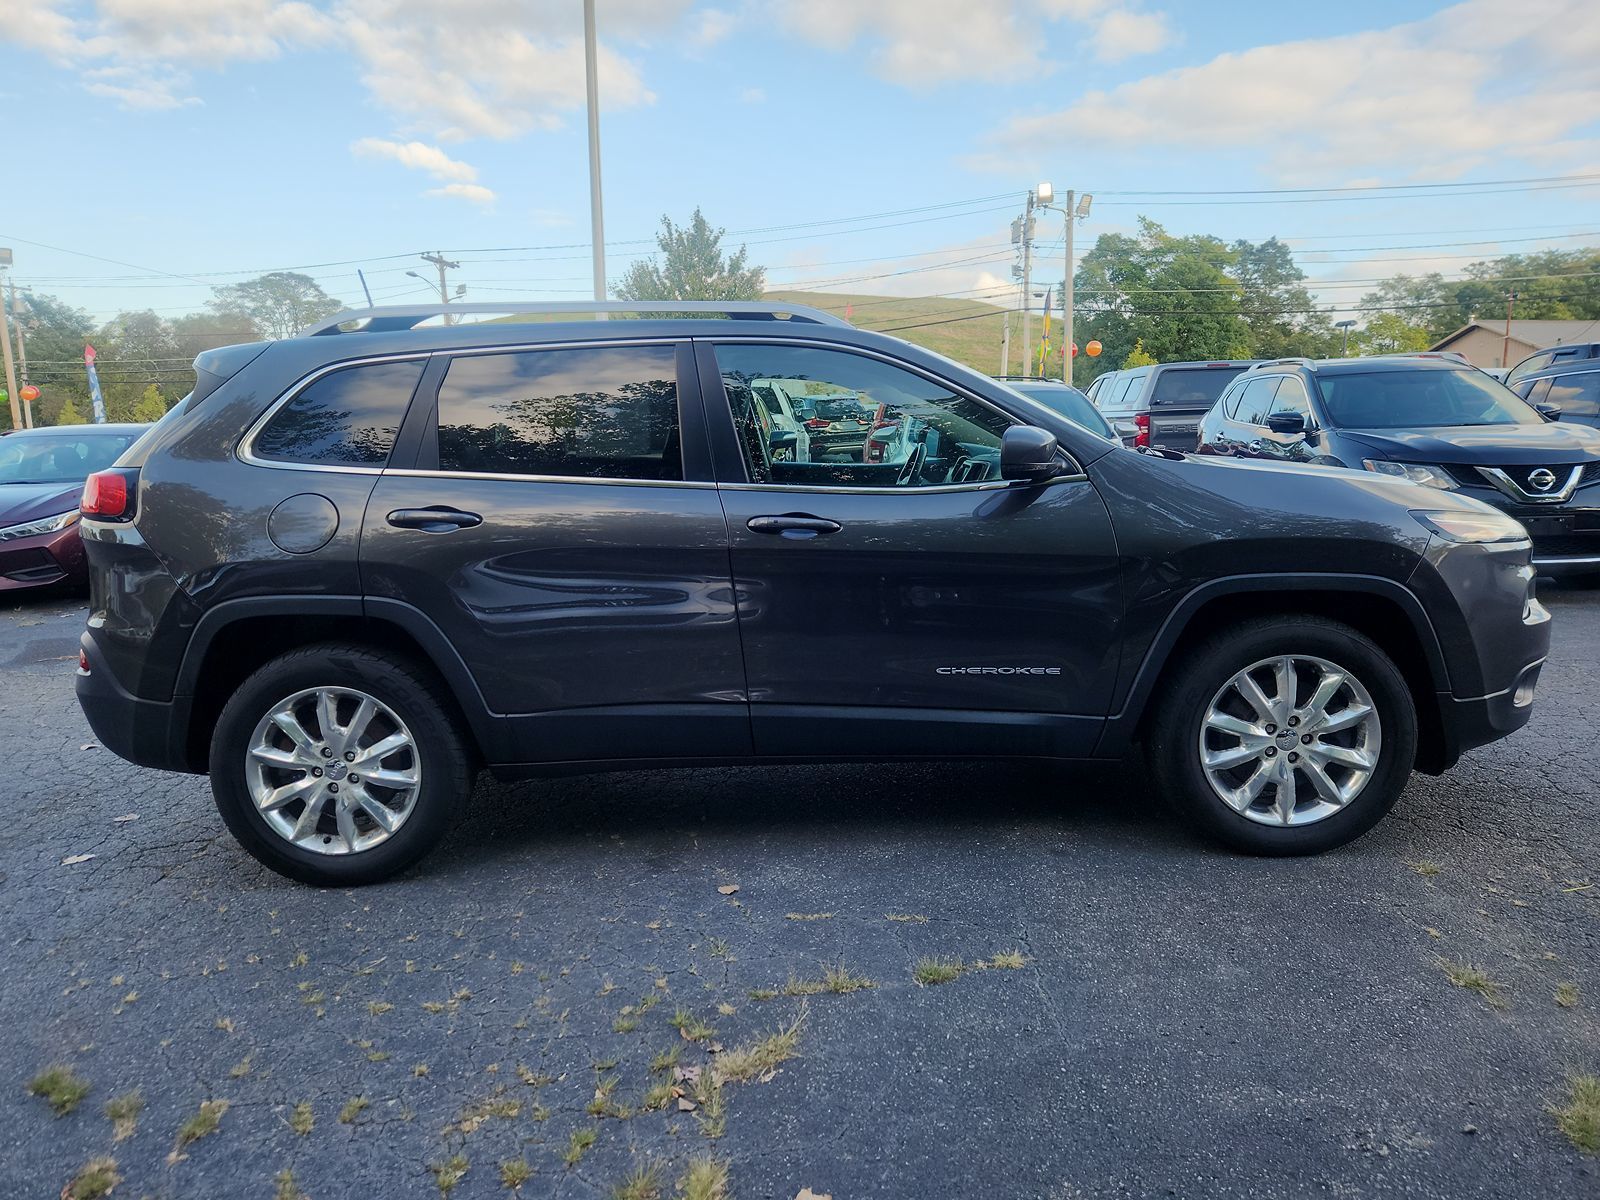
(338, 765)
(1288, 735)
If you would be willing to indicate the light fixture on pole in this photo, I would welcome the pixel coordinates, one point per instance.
(1075, 210)
(1347, 326)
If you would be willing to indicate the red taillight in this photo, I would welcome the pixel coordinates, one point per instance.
(83, 662)
(1141, 425)
(105, 495)
(818, 423)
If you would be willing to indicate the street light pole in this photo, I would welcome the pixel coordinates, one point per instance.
(1027, 288)
(1066, 298)
(22, 355)
(1344, 350)
(1505, 346)
(597, 230)
(5, 339)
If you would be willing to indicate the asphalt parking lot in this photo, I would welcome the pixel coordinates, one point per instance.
(1153, 1017)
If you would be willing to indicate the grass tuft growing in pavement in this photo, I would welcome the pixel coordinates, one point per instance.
(285, 1188)
(932, 970)
(515, 1172)
(447, 1173)
(1567, 995)
(203, 1124)
(578, 1145)
(123, 1112)
(746, 1062)
(352, 1109)
(690, 1026)
(94, 1179)
(60, 1087)
(1474, 979)
(1425, 867)
(1008, 960)
(301, 1120)
(1579, 1117)
(642, 1183)
(705, 1178)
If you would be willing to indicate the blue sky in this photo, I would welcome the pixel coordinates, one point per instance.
(204, 142)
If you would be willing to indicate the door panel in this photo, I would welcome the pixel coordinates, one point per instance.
(596, 612)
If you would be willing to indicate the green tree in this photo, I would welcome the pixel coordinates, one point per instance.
(1278, 309)
(69, 414)
(692, 266)
(152, 406)
(1137, 357)
(56, 334)
(1390, 333)
(279, 304)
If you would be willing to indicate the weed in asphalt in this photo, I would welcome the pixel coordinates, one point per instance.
(448, 1172)
(690, 1026)
(666, 1060)
(285, 1186)
(627, 1022)
(226, 1024)
(301, 1120)
(60, 1087)
(642, 1183)
(1008, 960)
(757, 1058)
(94, 1179)
(123, 1112)
(602, 1104)
(705, 1178)
(711, 1106)
(240, 1069)
(906, 918)
(931, 970)
(656, 1097)
(515, 1172)
(1579, 1117)
(1567, 995)
(1474, 979)
(720, 949)
(808, 916)
(473, 1115)
(352, 1109)
(203, 1124)
(578, 1145)
(763, 993)
(378, 1007)
(1425, 867)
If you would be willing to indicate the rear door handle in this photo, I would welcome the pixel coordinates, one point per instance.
(433, 520)
(796, 526)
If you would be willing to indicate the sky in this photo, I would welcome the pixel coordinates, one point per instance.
(159, 148)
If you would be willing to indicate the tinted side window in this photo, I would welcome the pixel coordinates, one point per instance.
(1292, 398)
(607, 412)
(1256, 401)
(1230, 401)
(348, 418)
(1577, 396)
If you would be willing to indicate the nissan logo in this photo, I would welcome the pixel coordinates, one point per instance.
(1541, 479)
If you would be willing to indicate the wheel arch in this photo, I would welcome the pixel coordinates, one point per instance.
(235, 638)
(1384, 610)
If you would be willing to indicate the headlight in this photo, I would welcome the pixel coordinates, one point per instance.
(1415, 472)
(1478, 527)
(42, 525)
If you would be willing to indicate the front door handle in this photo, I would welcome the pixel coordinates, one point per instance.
(433, 520)
(796, 526)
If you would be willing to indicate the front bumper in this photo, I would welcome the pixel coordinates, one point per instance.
(44, 560)
(150, 733)
(1468, 724)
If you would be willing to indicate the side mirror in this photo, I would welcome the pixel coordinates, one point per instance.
(1286, 422)
(783, 439)
(1550, 412)
(1028, 452)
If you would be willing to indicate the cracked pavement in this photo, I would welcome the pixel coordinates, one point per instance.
(1187, 1022)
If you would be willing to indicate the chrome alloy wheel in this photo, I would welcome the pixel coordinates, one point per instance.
(1290, 740)
(333, 770)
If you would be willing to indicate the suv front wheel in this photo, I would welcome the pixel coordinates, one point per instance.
(338, 765)
(1288, 735)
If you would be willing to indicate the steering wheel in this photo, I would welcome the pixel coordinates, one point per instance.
(913, 465)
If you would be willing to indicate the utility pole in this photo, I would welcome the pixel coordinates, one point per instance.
(1027, 287)
(1505, 346)
(22, 356)
(1005, 346)
(1066, 297)
(597, 223)
(5, 339)
(444, 265)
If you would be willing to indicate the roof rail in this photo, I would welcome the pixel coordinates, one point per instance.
(390, 318)
(1283, 362)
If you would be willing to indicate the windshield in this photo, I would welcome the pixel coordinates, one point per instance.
(59, 457)
(1069, 402)
(1421, 399)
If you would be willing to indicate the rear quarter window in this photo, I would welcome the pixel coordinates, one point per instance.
(347, 418)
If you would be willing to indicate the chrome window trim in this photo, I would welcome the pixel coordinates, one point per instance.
(1075, 468)
(509, 477)
(1513, 489)
(990, 485)
(245, 449)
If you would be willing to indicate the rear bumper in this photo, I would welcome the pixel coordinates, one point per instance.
(151, 733)
(47, 560)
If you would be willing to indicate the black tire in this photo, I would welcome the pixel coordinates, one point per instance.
(1176, 724)
(417, 697)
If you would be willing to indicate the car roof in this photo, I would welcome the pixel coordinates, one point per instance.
(1362, 366)
(105, 428)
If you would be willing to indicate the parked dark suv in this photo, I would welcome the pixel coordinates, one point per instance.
(1161, 405)
(354, 566)
(1563, 381)
(1433, 421)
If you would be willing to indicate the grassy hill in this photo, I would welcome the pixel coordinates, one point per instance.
(975, 341)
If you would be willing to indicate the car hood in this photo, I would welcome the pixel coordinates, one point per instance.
(1400, 492)
(1488, 445)
(23, 502)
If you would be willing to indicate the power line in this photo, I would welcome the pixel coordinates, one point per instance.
(1360, 187)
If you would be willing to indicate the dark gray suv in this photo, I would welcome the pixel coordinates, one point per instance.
(355, 566)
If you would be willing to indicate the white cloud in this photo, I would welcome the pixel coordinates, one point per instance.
(753, 96)
(419, 156)
(474, 192)
(712, 25)
(1429, 97)
(924, 43)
